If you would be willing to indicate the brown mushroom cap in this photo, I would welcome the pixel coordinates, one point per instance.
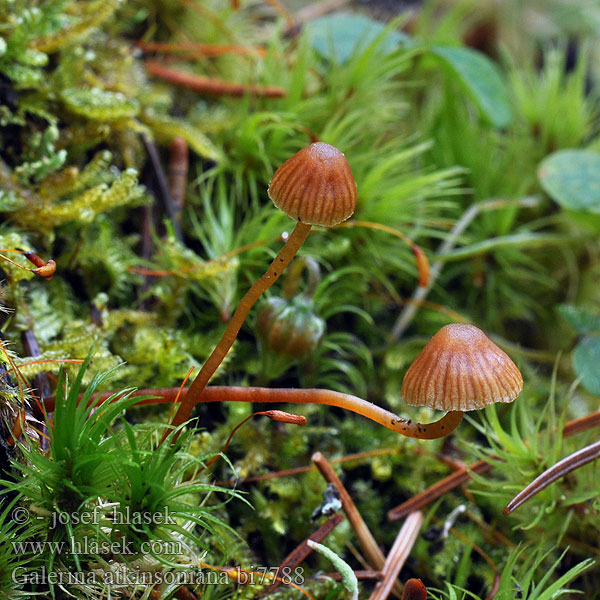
(315, 186)
(460, 368)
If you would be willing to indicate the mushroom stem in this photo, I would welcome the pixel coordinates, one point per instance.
(272, 274)
(406, 427)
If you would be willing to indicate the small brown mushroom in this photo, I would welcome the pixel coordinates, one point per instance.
(460, 369)
(314, 187)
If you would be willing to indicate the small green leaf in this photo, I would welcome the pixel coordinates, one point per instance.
(482, 80)
(349, 579)
(339, 36)
(581, 319)
(572, 178)
(586, 358)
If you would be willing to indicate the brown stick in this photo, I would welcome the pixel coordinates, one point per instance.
(209, 86)
(560, 469)
(405, 540)
(437, 490)
(163, 185)
(296, 556)
(495, 587)
(372, 551)
(581, 424)
(178, 173)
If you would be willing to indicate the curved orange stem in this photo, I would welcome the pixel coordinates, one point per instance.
(420, 257)
(280, 262)
(275, 415)
(209, 86)
(216, 393)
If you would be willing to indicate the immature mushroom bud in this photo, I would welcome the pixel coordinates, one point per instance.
(315, 187)
(460, 369)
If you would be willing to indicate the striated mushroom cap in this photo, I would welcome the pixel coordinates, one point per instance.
(460, 368)
(315, 186)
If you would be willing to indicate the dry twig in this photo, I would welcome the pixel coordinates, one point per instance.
(365, 537)
(209, 86)
(405, 540)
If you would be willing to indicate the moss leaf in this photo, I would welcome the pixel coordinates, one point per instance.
(339, 36)
(572, 178)
(482, 81)
(585, 362)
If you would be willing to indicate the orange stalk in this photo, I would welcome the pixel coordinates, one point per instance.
(354, 404)
(420, 257)
(44, 269)
(272, 274)
(209, 86)
(275, 415)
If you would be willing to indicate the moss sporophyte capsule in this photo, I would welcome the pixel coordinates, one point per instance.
(289, 331)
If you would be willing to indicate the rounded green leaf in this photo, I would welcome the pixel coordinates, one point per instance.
(586, 359)
(482, 80)
(340, 35)
(582, 319)
(572, 178)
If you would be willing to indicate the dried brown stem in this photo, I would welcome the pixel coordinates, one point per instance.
(560, 469)
(437, 490)
(581, 424)
(163, 185)
(372, 551)
(210, 86)
(405, 540)
(178, 174)
(495, 587)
